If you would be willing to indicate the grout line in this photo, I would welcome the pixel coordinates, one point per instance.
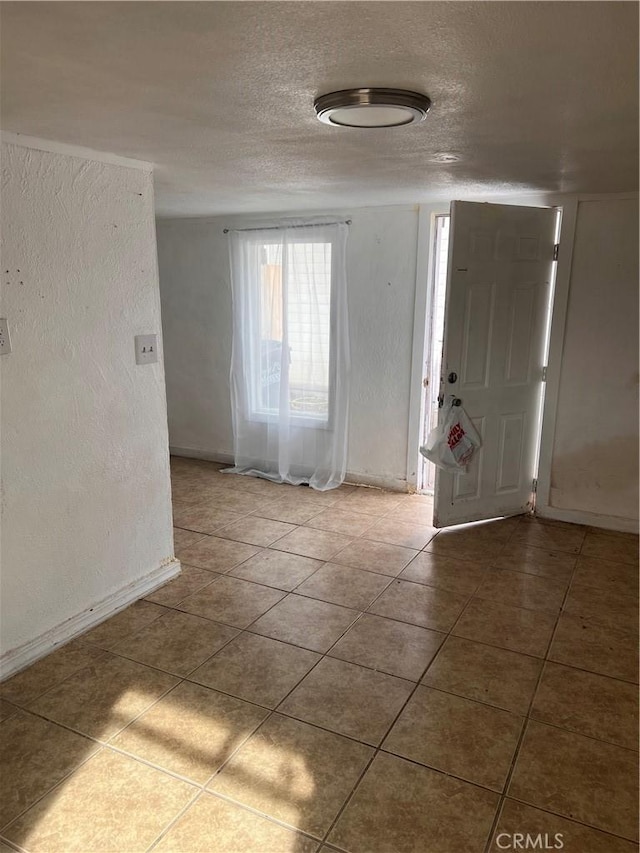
(525, 727)
(271, 712)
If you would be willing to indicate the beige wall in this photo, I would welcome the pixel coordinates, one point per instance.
(86, 512)
(595, 452)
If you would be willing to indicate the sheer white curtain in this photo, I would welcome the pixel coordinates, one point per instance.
(290, 361)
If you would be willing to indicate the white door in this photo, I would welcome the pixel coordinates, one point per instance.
(498, 289)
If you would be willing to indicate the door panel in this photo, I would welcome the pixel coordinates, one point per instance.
(498, 286)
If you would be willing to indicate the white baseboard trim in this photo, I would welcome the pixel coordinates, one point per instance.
(207, 455)
(16, 659)
(593, 519)
(392, 483)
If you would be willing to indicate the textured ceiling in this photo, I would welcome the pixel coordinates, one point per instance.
(528, 96)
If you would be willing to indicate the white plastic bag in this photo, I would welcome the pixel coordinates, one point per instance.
(452, 443)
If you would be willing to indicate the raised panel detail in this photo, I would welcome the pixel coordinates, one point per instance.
(511, 435)
(528, 249)
(521, 323)
(467, 486)
(477, 335)
(481, 245)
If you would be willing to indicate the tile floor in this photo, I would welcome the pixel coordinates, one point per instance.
(328, 674)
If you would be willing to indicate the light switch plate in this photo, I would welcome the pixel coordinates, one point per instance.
(146, 349)
(5, 340)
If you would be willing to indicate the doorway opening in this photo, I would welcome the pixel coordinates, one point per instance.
(437, 284)
(517, 240)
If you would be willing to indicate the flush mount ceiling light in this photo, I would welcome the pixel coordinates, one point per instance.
(372, 108)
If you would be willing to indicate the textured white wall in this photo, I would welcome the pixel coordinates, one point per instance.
(86, 501)
(595, 455)
(196, 310)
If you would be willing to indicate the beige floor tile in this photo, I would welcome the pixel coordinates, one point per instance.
(337, 521)
(372, 501)
(389, 646)
(111, 803)
(295, 773)
(348, 699)
(553, 830)
(398, 532)
(256, 531)
(183, 538)
(617, 548)
(203, 518)
(549, 536)
(130, 620)
(454, 575)
(319, 544)
(256, 668)
(414, 513)
(103, 698)
(537, 520)
(191, 732)
(457, 736)
(239, 501)
(401, 806)
(305, 622)
(277, 569)
(189, 580)
(589, 645)
(497, 624)
(232, 601)
(176, 643)
(607, 575)
(213, 825)
(217, 555)
(465, 546)
(578, 777)
(589, 704)
(522, 590)
(609, 607)
(6, 710)
(193, 492)
(495, 676)
(420, 605)
(378, 557)
(289, 511)
(255, 485)
(35, 755)
(519, 557)
(49, 671)
(342, 585)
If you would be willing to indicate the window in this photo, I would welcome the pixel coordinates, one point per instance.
(291, 359)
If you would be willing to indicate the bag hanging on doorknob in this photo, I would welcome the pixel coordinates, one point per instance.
(452, 444)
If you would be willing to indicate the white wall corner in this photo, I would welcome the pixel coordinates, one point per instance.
(53, 147)
(17, 659)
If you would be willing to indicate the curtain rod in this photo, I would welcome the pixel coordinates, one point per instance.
(281, 227)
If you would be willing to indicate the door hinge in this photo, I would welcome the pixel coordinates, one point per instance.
(556, 249)
(544, 373)
(534, 486)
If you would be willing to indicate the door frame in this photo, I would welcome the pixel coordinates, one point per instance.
(423, 309)
(560, 298)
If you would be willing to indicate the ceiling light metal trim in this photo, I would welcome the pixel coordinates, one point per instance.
(413, 104)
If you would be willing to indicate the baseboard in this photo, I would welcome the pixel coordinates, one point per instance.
(391, 483)
(208, 456)
(593, 519)
(17, 659)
